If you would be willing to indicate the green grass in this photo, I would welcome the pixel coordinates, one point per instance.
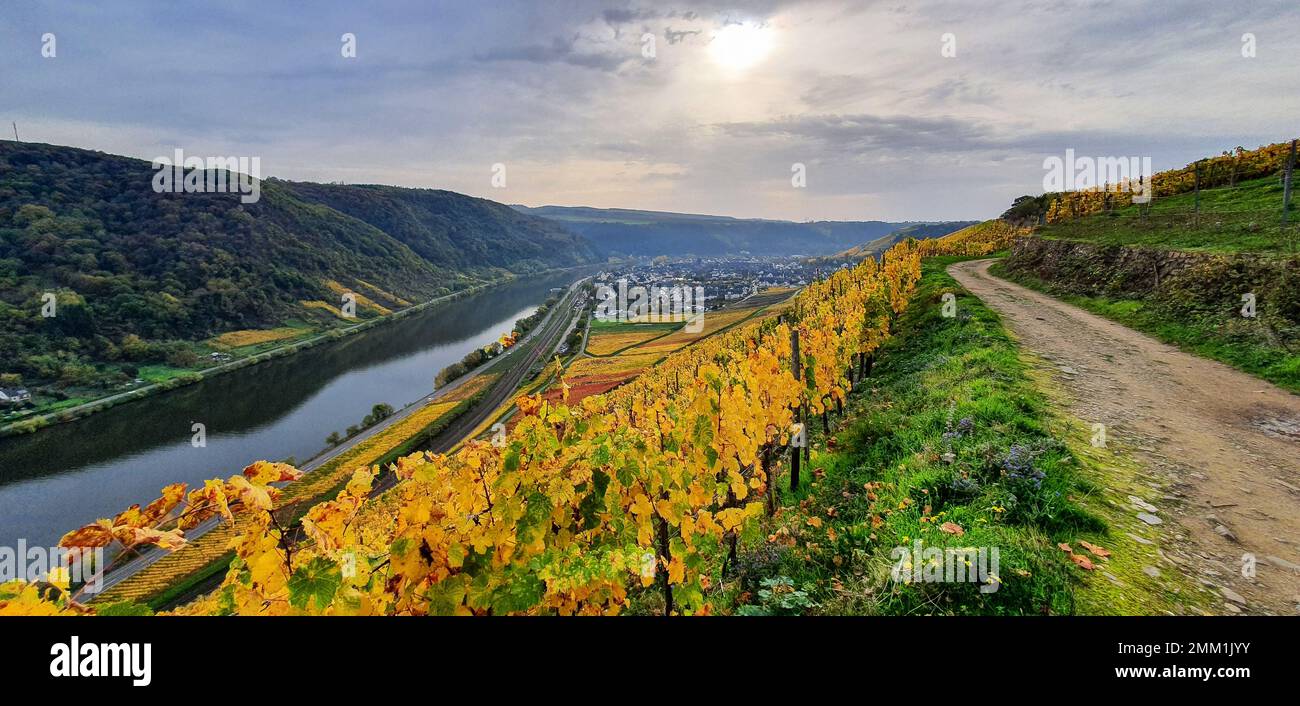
(62, 404)
(598, 325)
(935, 373)
(1215, 337)
(162, 372)
(1245, 218)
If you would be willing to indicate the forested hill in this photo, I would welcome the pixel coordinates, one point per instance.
(124, 261)
(920, 231)
(454, 229)
(635, 232)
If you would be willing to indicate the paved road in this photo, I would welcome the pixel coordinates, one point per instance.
(549, 334)
(1219, 450)
(543, 337)
(145, 391)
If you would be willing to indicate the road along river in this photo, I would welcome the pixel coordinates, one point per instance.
(69, 474)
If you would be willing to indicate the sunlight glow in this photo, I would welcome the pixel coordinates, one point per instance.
(740, 46)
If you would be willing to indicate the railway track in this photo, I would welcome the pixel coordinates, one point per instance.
(540, 341)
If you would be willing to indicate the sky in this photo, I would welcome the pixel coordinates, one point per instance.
(896, 110)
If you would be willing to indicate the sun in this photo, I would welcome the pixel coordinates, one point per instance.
(740, 46)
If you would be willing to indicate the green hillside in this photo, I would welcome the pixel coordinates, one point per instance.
(142, 279)
(1215, 273)
(1243, 218)
(455, 230)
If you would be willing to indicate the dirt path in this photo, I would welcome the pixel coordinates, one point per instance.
(1226, 445)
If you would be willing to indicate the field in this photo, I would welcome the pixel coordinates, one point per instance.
(322, 306)
(757, 307)
(609, 338)
(362, 300)
(252, 337)
(714, 321)
(589, 376)
(385, 295)
(618, 352)
(980, 239)
(767, 297)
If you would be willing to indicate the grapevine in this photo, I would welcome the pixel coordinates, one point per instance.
(645, 487)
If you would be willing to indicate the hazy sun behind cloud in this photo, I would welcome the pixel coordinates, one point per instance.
(737, 47)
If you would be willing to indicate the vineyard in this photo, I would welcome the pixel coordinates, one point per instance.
(607, 339)
(1226, 170)
(253, 337)
(195, 557)
(651, 484)
(617, 352)
(980, 239)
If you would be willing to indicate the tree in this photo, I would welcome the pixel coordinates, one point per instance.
(1027, 209)
(135, 348)
(378, 413)
(182, 357)
(121, 262)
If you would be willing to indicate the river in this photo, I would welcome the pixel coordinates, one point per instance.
(66, 475)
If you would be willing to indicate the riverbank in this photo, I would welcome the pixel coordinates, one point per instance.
(436, 422)
(159, 578)
(40, 421)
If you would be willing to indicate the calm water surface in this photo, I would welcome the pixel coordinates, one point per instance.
(69, 474)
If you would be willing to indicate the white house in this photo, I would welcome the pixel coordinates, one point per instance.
(14, 396)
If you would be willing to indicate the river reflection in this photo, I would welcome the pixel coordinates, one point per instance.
(70, 474)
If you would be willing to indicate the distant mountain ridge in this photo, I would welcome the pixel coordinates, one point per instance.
(920, 231)
(638, 232)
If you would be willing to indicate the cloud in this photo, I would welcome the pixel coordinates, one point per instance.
(962, 90)
(619, 16)
(675, 37)
(856, 134)
(560, 50)
(560, 92)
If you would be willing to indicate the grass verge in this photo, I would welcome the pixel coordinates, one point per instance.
(1245, 218)
(1216, 337)
(951, 444)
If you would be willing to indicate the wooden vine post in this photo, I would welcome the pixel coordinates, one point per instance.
(666, 552)
(1196, 203)
(771, 479)
(794, 447)
(1286, 183)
